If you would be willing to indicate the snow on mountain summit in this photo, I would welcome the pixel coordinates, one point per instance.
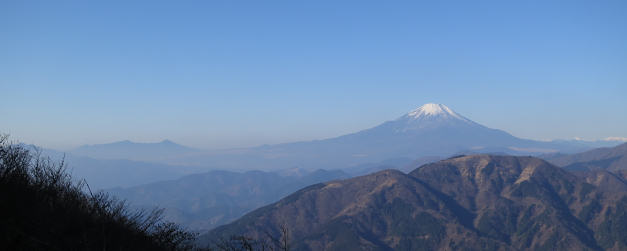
(432, 109)
(429, 116)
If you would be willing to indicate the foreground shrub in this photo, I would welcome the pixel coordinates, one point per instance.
(42, 209)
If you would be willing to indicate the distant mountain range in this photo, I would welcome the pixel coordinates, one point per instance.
(206, 200)
(607, 158)
(114, 172)
(478, 202)
(605, 161)
(430, 130)
(108, 173)
(152, 152)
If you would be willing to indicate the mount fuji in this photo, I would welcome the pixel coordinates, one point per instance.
(429, 130)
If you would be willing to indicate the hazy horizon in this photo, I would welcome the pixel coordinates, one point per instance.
(218, 75)
(612, 138)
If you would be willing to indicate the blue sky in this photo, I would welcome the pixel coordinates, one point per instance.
(216, 74)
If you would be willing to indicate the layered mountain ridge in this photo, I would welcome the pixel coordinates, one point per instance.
(478, 202)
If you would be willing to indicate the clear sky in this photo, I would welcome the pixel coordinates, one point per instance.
(217, 74)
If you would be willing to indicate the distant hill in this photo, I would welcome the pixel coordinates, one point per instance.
(110, 173)
(479, 202)
(207, 200)
(607, 158)
(103, 174)
(151, 152)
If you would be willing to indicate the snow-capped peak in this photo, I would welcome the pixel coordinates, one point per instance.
(432, 109)
(431, 116)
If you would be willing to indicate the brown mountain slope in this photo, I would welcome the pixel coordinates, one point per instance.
(523, 201)
(476, 202)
